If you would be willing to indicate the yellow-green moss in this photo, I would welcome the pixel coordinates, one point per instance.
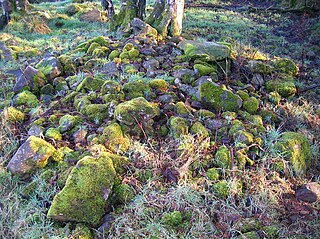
(13, 115)
(274, 97)
(284, 85)
(198, 129)
(114, 139)
(172, 219)
(221, 189)
(26, 98)
(67, 122)
(251, 105)
(285, 66)
(243, 137)
(213, 174)
(182, 109)
(53, 133)
(114, 54)
(243, 94)
(90, 84)
(136, 89)
(178, 126)
(123, 193)
(96, 112)
(222, 158)
(84, 197)
(296, 149)
(205, 69)
(202, 113)
(159, 85)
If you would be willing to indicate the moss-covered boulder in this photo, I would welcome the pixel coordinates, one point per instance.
(96, 112)
(243, 136)
(178, 126)
(31, 155)
(26, 98)
(53, 133)
(90, 84)
(136, 89)
(136, 110)
(296, 148)
(160, 86)
(205, 69)
(31, 79)
(84, 197)
(284, 85)
(207, 51)
(285, 66)
(216, 98)
(114, 139)
(13, 115)
(251, 105)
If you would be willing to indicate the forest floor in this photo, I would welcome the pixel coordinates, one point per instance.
(207, 200)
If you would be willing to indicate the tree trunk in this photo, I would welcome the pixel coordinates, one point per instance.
(167, 16)
(107, 5)
(9, 6)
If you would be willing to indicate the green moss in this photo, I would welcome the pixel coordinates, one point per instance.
(114, 54)
(163, 131)
(222, 157)
(274, 97)
(284, 86)
(285, 66)
(205, 69)
(213, 174)
(128, 47)
(110, 87)
(130, 69)
(172, 219)
(114, 139)
(13, 115)
(90, 84)
(243, 94)
(136, 89)
(26, 98)
(120, 163)
(178, 126)
(82, 232)
(217, 98)
(229, 116)
(67, 122)
(182, 109)
(221, 189)
(123, 193)
(84, 197)
(296, 149)
(53, 133)
(202, 113)
(101, 52)
(198, 129)
(271, 231)
(251, 105)
(250, 235)
(260, 67)
(96, 112)
(93, 46)
(69, 67)
(136, 110)
(159, 85)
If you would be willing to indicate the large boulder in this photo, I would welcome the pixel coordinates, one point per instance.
(208, 51)
(31, 155)
(85, 194)
(217, 98)
(296, 148)
(284, 85)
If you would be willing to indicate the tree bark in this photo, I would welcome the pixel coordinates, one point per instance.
(167, 17)
(107, 5)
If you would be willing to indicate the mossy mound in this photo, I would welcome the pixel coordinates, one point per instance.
(84, 197)
(296, 148)
(222, 158)
(13, 115)
(178, 126)
(26, 98)
(284, 86)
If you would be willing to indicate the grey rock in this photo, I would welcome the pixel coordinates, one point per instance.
(151, 64)
(309, 192)
(257, 80)
(50, 66)
(27, 80)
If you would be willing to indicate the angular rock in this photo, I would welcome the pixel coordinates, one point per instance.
(31, 78)
(309, 192)
(142, 29)
(5, 53)
(31, 155)
(85, 194)
(208, 51)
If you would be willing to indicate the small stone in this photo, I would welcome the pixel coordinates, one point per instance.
(309, 192)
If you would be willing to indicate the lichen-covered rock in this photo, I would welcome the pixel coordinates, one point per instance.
(67, 122)
(85, 194)
(31, 155)
(26, 98)
(178, 126)
(50, 67)
(187, 76)
(13, 115)
(142, 29)
(160, 86)
(283, 85)
(31, 79)
(136, 89)
(208, 51)
(217, 98)
(114, 140)
(243, 136)
(96, 112)
(260, 67)
(136, 110)
(251, 105)
(68, 65)
(296, 149)
(222, 158)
